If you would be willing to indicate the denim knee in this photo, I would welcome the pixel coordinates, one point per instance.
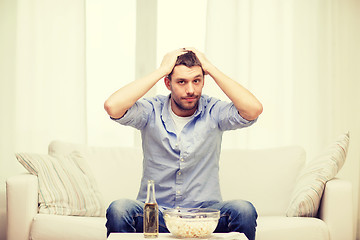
(124, 215)
(243, 218)
(245, 208)
(237, 216)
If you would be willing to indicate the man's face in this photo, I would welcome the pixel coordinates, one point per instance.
(186, 86)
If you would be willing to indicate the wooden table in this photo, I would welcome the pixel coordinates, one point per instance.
(169, 236)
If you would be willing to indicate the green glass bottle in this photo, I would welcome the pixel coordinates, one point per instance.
(151, 213)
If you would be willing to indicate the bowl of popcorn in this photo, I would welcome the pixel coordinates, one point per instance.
(191, 222)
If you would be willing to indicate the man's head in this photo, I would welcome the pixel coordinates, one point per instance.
(188, 59)
(185, 83)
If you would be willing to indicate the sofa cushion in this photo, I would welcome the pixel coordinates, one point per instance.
(66, 184)
(305, 199)
(56, 227)
(117, 170)
(264, 177)
(296, 228)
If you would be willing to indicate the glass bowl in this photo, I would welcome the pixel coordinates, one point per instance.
(191, 222)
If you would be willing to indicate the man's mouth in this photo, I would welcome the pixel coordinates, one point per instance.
(190, 99)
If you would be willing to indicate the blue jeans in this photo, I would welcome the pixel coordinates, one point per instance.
(126, 215)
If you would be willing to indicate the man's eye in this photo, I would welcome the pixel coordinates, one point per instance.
(196, 80)
(181, 82)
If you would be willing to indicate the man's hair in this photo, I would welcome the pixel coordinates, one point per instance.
(188, 59)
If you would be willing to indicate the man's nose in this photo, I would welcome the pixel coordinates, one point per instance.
(190, 89)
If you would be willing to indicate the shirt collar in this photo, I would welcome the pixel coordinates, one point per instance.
(200, 108)
(166, 117)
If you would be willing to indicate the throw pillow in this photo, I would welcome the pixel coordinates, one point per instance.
(310, 185)
(66, 184)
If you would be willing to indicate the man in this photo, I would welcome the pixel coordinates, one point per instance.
(181, 140)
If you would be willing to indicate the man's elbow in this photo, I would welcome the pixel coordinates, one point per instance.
(254, 113)
(108, 107)
(259, 109)
(111, 110)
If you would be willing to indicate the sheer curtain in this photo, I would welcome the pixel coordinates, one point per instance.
(59, 61)
(301, 59)
(42, 80)
(50, 77)
(110, 64)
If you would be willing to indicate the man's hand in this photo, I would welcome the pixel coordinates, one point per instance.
(205, 64)
(169, 60)
(245, 102)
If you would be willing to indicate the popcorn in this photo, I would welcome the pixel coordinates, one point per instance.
(190, 227)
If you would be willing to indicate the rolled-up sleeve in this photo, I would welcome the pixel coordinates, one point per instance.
(229, 118)
(137, 115)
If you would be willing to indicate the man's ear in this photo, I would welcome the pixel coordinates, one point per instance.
(167, 83)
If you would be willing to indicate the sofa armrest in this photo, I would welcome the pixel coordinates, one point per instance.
(22, 205)
(336, 209)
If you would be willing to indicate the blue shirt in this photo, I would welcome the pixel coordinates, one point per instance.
(185, 168)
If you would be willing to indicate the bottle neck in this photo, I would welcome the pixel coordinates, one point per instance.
(151, 192)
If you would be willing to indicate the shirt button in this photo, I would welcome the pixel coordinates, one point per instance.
(178, 192)
(181, 159)
(179, 173)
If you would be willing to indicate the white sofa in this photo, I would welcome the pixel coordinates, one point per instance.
(265, 177)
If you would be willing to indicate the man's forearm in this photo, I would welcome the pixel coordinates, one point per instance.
(246, 103)
(121, 100)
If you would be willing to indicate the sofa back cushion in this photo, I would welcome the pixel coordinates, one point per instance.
(264, 177)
